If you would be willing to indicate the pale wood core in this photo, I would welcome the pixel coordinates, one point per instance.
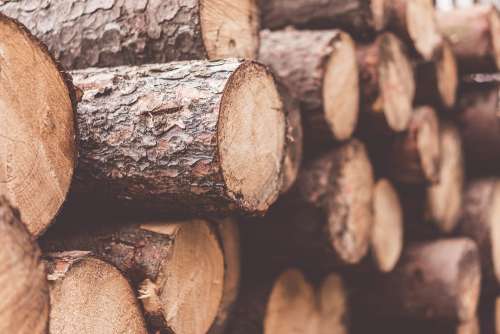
(494, 221)
(447, 75)
(230, 28)
(422, 27)
(37, 149)
(387, 233)
(251, 136)
(341, 88)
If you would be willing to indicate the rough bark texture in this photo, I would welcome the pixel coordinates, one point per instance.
(37, 151)
(388, 85)
(24, 292)
(475, 37)
(118, 32)
(320, 70)
(177, 268)
(360, 17)
(178, 137)
(90, 296)
(478, 119)
(434, 280)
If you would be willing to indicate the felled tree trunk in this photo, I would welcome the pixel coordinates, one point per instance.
(197, 137)
(319, 68)
(474, 33)
(37, 150)
(388, 85)
(24, 292)
(177, 269)
(109, 33)
(90, 296)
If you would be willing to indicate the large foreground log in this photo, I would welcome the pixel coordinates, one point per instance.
(177, 269)
(197, 137)
(90, 296)
(475, 37)
(109, 33)
(37, 150)
(319, 68)
(388, 84)
(24, 292)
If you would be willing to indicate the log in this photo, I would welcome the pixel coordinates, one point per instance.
(192, 137)
(398, 326)
(474, 33)
(415, 22)
(37, 152)
(437, 80)
(435, 280)
(478, 119)
(319, 68)
(362, 17)
(90, 296)
(24, 292)
(478, 220)
(165, 262)
(387, 231)
(110, 33)
(333, 306)
(275, 305)
(388, 85)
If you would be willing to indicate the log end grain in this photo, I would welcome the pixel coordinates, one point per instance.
(37, 152)
(422, 27)
(24, 292)
(333, 306)
(251, 137)
(88, 295)
(230, 28)
(447, 75)
(387, 233)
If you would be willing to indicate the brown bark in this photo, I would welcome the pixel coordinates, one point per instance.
(435, 280)
(90, 296)
(437, 80)
(360, 17)
(319, 68)
(478, 119)
(415, 22)
(475, 37)
(24, 292)
(479, 220)
(196, 137)
(177, 269)
(388, 85)
(37, 152)
(118, 32)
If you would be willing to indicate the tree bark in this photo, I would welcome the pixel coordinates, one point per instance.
(185, 137)
(388, 85)
(479, 123)
(118, 32)
(437, 80)
(24, 292)
(434, 280)
(475, 37)
(90, 296)
(177, 269)
(37, 151)
(319, 68)
(360, 17)
(478, 220)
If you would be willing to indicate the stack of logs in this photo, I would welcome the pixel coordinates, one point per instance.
(348, 149)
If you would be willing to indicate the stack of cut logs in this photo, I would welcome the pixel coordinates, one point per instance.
(349, 149)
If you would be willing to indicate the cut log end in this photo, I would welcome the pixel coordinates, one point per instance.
(469, 283)
(422, 27)
(379, 14)
(387, 234)
(444, 199)
(291, 305)
(447, 75)
(189, 287)
(340, 88)
(428, 143)
(230, 28)
(37, 153)
(333, 306)
(91, 296)
(396, 82)
(251, 136)
(494, 218)
(495, 35)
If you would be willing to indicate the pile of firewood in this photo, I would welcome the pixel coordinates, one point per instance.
(229, 166)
